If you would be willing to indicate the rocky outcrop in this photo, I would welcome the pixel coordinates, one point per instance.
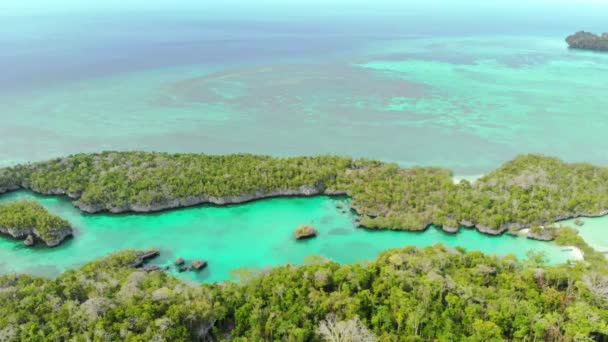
(198, 264)
(467, 224)
(579, 214)
(179, 262)
(151, 268)
(588, 41)
(144, 256)
(189, 201)
(546, 234)
(305, 231)
(29, 241)
(491, 231)
(58, 236)
(51, 240)
(184, 268)
(451, 230)
(9, 188)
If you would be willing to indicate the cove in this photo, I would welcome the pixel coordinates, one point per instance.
(257, 234)
(593, 231)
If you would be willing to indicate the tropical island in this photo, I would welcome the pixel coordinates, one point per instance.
(588, 41)
(531, 190)
(30, 221)
(435, 293)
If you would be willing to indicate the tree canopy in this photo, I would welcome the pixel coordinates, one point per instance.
(21, 218)
(529, 190)
(406, 294)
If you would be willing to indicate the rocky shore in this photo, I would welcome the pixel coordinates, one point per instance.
(32, 234)
(545, 234)
(144, 256)
(450, 230)
(303, 191)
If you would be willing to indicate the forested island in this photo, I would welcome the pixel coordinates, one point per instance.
(435, 293)
(588, 41)
(30, 221)
(529, 191)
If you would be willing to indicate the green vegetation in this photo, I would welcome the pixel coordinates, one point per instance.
(588, 41)
(409, 294)
(567, 236)
(531, 190)
(22, 218)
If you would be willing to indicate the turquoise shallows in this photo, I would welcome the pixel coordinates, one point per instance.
(256, 234)
(594, 231)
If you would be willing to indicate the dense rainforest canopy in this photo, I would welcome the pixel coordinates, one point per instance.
(435, 293)
(22, 218)
(527, 191)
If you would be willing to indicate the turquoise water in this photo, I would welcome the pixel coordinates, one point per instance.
(467, 97)
(257, 234)
(460, 84)
(593, 231)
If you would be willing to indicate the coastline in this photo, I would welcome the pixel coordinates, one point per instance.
(61, 235)
(576, 253)
(198, 232)
(519, 229)
(385, 196)
(470, 178)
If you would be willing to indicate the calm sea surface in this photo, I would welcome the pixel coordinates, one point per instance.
(466, 93)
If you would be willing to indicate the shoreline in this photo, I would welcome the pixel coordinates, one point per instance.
(470, 178)
(385, 196)
(186, 234)
(576, 253)
(519, 229)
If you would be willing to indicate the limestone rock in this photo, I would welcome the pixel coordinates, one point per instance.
(305, 231)
(29, 241)
(451, 230)
(199, 264)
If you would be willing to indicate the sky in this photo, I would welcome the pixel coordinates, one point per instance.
(548, 16)
(26, 7)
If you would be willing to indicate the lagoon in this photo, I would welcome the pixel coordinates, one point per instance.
(593, 231)
(252, 235)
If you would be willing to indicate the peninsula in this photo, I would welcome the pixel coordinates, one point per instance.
(588, 41)
(30, 221)
(531, 190)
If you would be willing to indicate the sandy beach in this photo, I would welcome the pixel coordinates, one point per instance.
(577, 253)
